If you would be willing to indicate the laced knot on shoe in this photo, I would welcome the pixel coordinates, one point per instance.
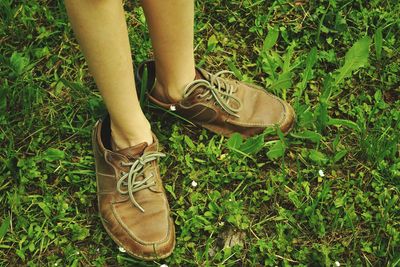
(128, 184)
(219, 90)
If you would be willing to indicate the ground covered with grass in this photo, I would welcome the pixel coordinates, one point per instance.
(326, 194)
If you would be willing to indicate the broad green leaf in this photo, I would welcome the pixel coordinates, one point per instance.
(306, 186)
(4, 227)
(339, 202)
(249, 146)
(310, 135)
(19, 62)
(252, 145)
(340, 22)
(79, 232)
(189, 142)
(306, 118)
(235, 141)
(307, 74)
(339, 155)
(280, 135)
(212, 43)
(284, 81)
(343, 122)
(20, 254)
(53, 154)
(336, 141)
(270, 40)
(235, 70)
(45, 208)
(292, 195)
(3, 98)
(326, 89)
(72, 85)
(355, 58)
(277, 150)
(170, 190)
(322, 116)
(276, 57)
(378, 40)
(31, 246)
(321, 111)
(318, 156)
(287, 65)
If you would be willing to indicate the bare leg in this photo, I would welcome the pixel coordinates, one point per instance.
(171, 25)
(101, 30)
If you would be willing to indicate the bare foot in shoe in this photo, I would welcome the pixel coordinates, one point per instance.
(124, 138)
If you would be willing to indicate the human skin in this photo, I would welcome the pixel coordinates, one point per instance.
(101, 30)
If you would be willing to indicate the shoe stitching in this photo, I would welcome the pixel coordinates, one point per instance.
(105, 174)
(141, 242)
(135, 238)
(281, 120)
(116, 240)
(205, 108)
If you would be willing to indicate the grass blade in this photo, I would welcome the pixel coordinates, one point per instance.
(378, 40)
(4, 227)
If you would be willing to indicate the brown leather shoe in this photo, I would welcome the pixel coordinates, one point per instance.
(132, 202)
(224, 106)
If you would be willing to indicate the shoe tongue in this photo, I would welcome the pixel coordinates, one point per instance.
(133, 151)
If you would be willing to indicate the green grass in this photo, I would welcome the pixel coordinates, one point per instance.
(256, 203)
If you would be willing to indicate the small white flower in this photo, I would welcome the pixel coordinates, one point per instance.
(163, 265)
(337, 263)
(321, 173)
(56, 264)
(194, 183)
(172, 107)
(122, 249)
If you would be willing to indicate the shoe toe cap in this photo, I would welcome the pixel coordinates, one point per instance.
(152, 250)
(143, 249)
(146, 236)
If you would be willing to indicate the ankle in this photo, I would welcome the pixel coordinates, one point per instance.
(172, 91)
(168, 94)
(123, 138)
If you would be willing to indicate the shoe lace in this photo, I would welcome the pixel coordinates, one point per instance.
(218, 89)
(127, 184)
